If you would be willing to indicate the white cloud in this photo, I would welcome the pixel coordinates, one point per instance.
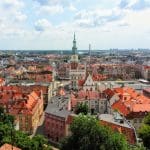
(11, 4)
(98, 17)
(12, 18)
(42, 25)
(19, 16)
(11, 11)
(72, 8)
(51, 10)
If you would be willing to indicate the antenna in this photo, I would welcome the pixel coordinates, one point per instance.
(90, 53)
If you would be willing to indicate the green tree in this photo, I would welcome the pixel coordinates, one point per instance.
(81, 108)
(87, 134)
(40, 142)
(17, 138)
(144, 132)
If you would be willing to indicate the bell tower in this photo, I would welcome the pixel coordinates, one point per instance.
(76, 71)
(74, 57)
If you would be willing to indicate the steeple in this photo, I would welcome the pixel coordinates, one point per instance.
(74, 48)
(74, 36)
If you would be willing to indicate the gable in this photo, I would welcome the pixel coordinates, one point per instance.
(89, 81)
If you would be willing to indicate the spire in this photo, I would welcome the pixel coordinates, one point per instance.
(74, 36)
(89, 53)
(74, 48)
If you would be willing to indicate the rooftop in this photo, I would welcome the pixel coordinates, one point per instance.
(115, 119)
(58, 106)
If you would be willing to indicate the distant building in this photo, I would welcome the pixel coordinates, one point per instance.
(146, 92)
(146, 72)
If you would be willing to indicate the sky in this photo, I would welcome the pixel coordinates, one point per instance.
(50, 24)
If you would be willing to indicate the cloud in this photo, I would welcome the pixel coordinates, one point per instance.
(20, 17)
(11, 4)
(11, 10)
(57, 9)
(123, 24)
(55, 6)
(54, 2)
(72, 8)
(42, 25)
(97, 17)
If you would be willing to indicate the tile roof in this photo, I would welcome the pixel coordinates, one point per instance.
(85, 95)
(17, 102)
(8, 147)
(99, 77)
(131, 101)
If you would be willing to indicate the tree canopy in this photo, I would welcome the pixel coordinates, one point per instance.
(81, 108)
(17, 138)
(88, 134)
(144, 132)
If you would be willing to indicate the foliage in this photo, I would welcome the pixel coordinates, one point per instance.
(17, 138)
(81, 108)
(137, 147)
(144, 132)
(88, 134)
(6, 118)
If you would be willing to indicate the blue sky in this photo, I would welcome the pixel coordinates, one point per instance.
(50, 24)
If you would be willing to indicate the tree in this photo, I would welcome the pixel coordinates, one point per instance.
(144, 132)
(40, 142)
(88, 134)
(17, 138)
(81, 108)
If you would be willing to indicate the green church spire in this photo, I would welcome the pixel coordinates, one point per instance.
(74, 48)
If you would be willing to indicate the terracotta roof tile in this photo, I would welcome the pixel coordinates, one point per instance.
(8, 147)
(131, 101)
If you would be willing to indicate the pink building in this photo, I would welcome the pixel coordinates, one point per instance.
(56, 118)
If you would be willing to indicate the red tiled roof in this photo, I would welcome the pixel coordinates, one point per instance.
(81, 82)
(8, 147)
(16, 101)
(147, 67)
(109, 92)
(82, 95)
(131, 101)
(99, 77)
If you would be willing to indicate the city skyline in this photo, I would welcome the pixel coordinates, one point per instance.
(50, 24)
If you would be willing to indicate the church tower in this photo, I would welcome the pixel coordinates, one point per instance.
(76, 72)
(74, 56)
